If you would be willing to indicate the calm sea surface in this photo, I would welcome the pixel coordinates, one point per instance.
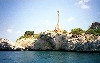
(48, 57)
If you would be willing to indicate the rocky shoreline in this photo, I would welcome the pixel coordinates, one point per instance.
(57, 42)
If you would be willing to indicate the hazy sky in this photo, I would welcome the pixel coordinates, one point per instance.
(17, 16)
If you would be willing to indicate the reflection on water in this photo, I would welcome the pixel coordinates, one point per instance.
(48, 57)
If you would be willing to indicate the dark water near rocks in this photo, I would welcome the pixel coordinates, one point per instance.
(48, 57)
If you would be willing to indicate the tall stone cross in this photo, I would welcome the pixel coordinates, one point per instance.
(57, 27)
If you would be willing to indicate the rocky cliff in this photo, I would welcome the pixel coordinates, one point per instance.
(48, 41)
(64, 42)
(6, 44)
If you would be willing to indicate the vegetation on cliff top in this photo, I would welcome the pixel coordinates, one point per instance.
(93, 29)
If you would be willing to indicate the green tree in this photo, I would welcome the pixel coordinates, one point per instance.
(77, 31)
(29, 34)
(64, 31)
(94, 29)
(90, 31)
(95, 25)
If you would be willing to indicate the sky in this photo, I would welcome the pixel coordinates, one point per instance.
(18, 16)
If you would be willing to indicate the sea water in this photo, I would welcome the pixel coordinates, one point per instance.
(48, 57)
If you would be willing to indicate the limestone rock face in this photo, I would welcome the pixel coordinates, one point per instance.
(44, 42)
(6, 44)
(48, 41)
(24, 43)
(98, 38)
(62, 42)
